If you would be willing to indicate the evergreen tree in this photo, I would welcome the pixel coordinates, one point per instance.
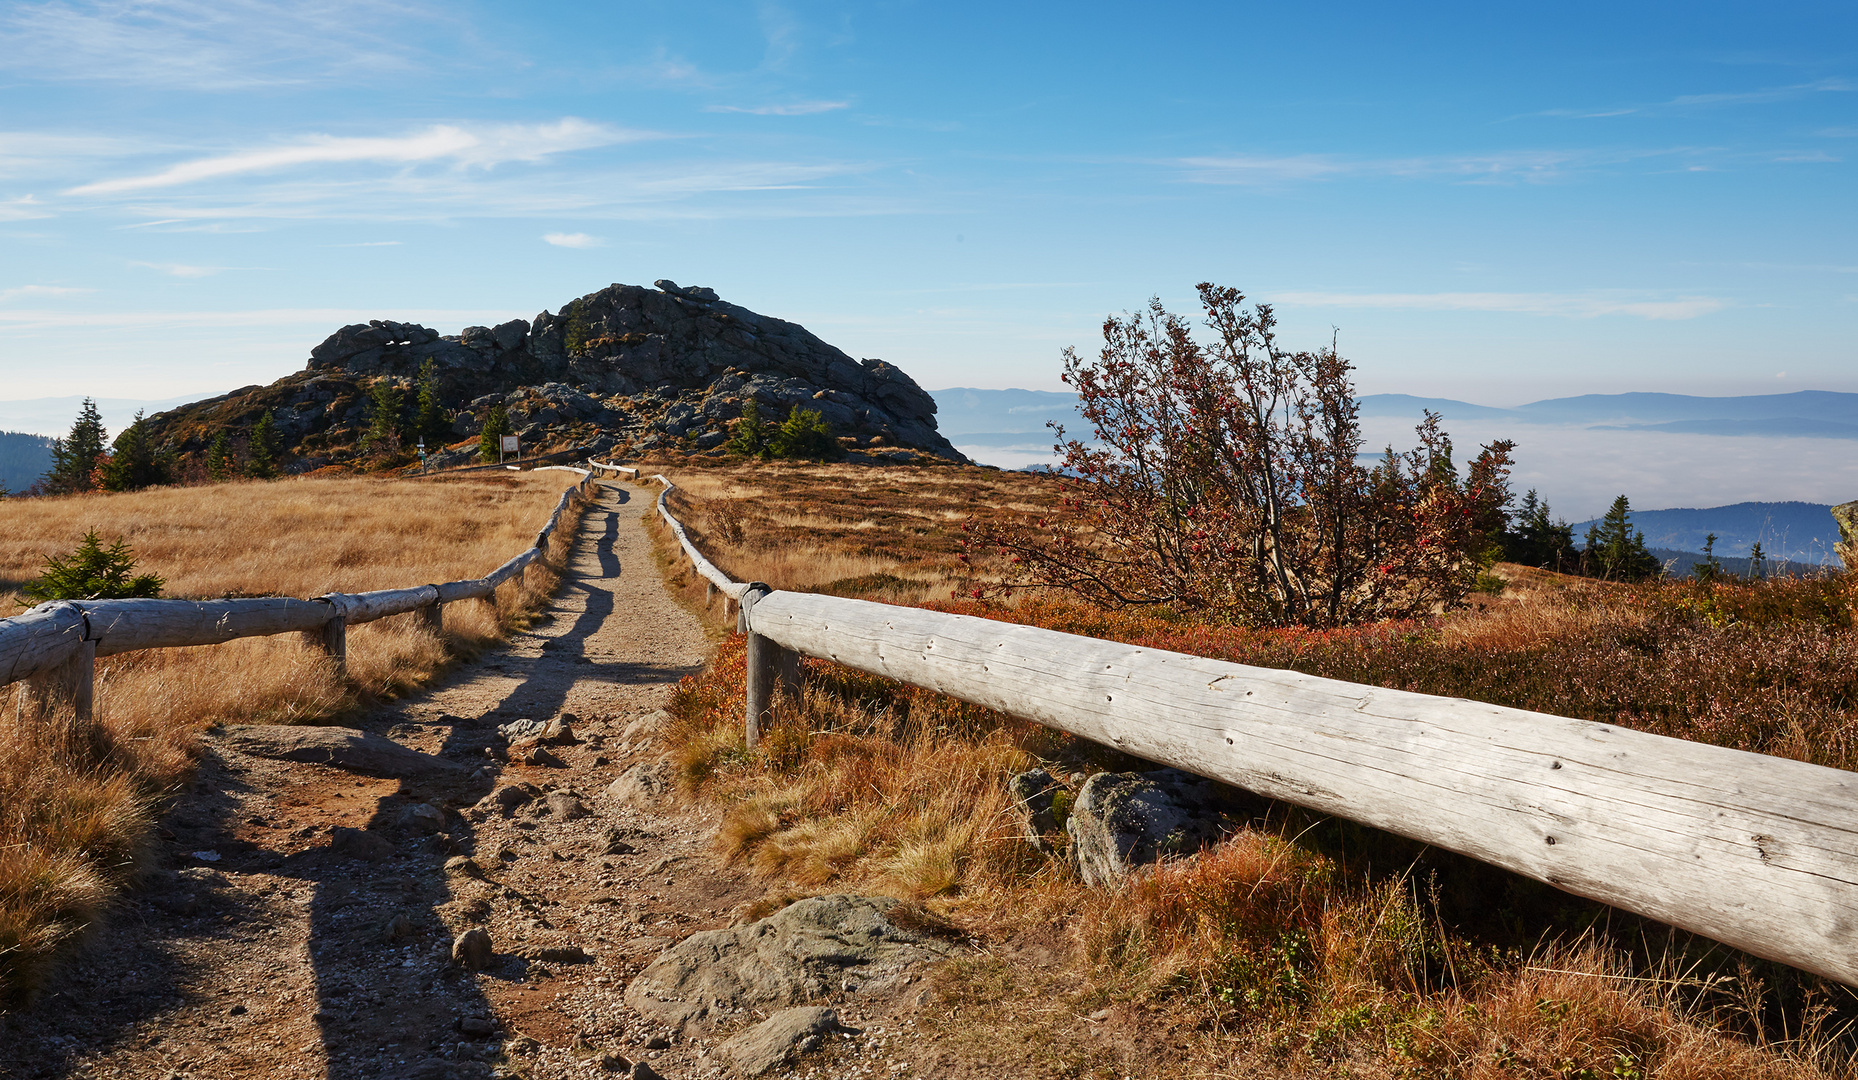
(386, 422)
(1710, 570)
(1757, 563)
(74, 457)
(1535, 538)
(575, 335)
(496, 425)
(431, 425)
(1615, 550)
(133, 462)
(92, 572)
(219, 464)
(266, 445)
(805, 434)
(751, 437)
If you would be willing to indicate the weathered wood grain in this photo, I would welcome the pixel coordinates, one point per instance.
(1758, 852)
(119, 626)
(41, 638)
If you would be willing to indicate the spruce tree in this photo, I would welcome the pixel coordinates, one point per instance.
(219, 465)
(265, 447)
(430, 424)
(750, 438)
(386, 424)
(1615, 550)
(133, 462)
(496, 425)
(93, 572)
(74, 457)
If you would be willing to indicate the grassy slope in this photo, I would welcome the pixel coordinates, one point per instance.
(74, 818)
(1302, 946)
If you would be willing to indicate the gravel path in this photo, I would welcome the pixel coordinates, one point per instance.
(275, 945)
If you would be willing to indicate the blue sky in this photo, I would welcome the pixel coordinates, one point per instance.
(1489, 205)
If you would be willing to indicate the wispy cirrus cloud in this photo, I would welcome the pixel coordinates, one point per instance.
(24, 208)
(183, 270)
(796, 108)
(1498, 167)
(1565, 305)
(1763, 96)
(221, 45)
(572, 240)
(39, 291)
(481, 146)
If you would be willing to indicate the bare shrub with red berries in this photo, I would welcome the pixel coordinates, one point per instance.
(1225, 480)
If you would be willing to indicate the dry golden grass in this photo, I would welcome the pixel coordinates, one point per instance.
(73, 815)
(1297, 948)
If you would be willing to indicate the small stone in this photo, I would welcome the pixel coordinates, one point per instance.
(613, 1063)
(566, 806)
(423, 817)
(642, 1071)
(396, 928)
(477, 1027)
(463, 866)
(236, 1010)
(559, 732)
(658, 1042)
(520, 729)
(541, 757)
(360, 844)
(471, 949)
(769, 1043)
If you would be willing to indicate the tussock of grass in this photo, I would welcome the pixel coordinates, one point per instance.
(1299, 946)
(74, 816)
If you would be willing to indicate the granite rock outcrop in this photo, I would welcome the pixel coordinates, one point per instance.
(625, 370)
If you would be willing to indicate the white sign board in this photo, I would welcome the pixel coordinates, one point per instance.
(510, 445)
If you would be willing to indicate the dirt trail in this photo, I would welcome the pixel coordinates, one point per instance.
(274, 947)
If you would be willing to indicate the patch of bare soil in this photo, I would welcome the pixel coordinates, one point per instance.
(276, 942)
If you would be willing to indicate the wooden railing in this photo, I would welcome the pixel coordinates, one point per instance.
(54, 646)
(1754, 851)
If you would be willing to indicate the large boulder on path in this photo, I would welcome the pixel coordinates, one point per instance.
(1122, 821)
(808, 949)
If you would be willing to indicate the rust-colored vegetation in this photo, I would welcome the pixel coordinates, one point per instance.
(74, 815)
(1300, 946)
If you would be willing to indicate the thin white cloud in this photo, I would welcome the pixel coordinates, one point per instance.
(327, 318)
(1764, 96)
(484, 146)
(1566, 305)
(368, 243)
(40, 290)
(1532, 165)
(182, 270)
(24, 208)
(796, 108)
(572, 240)
(221, 45)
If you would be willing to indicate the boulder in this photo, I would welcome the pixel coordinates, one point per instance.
(811, 948)
(641, 783)
(471, 950)
(770, 1043)
(1121, 821)
(1035, 796)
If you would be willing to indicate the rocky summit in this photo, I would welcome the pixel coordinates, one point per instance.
(626, 370)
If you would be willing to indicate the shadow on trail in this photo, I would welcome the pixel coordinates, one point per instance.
(383, 997)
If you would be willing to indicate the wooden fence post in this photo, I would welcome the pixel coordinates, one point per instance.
(432, 617)
(44, 697)
(334, 640)
(765, 666)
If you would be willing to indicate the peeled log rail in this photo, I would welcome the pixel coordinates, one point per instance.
(1755, 851)
(51, 634)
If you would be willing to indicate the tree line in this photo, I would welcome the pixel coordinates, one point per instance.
(86, 459)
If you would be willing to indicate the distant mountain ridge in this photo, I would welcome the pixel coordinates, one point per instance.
(1796, 531)
(1816, 413)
